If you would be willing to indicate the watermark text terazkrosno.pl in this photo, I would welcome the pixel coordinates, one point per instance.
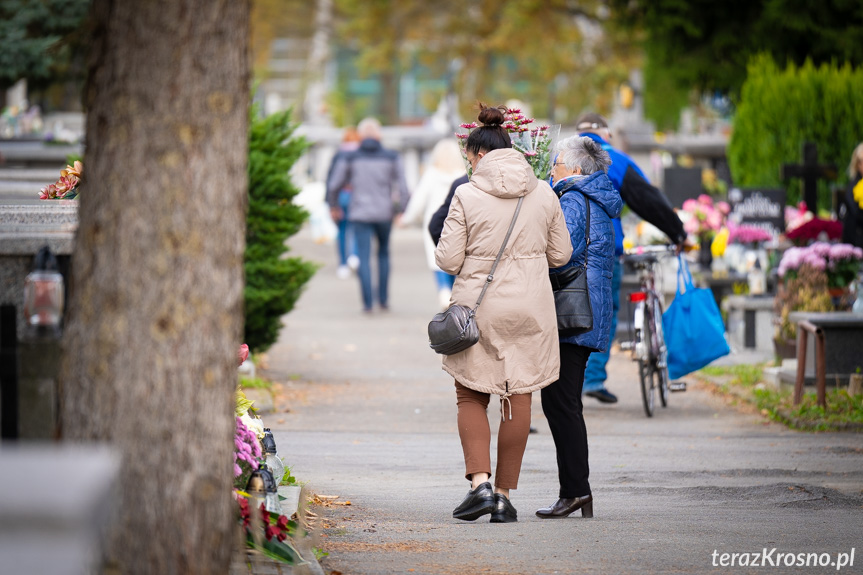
(775, 558)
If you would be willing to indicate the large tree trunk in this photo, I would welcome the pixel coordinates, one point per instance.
(155, 316)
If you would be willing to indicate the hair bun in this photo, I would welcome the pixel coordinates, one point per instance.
(490, 116)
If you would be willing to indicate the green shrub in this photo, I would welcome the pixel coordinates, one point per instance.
(273, 283)
(780, 109)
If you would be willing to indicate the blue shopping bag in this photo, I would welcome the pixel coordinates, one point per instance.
(693, 328)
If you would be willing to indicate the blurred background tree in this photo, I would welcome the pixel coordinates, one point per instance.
(560, 56)
(780, 108)
(705, 46)
(45, 43)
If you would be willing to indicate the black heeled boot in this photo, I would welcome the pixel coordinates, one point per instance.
(564, 507)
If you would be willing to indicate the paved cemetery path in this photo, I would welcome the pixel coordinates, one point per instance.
(372, 420)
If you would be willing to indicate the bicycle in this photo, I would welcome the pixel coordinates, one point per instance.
(647, 340)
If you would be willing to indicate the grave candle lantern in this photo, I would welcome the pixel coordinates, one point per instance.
(262, 487)
(43, 296)
(274, 462)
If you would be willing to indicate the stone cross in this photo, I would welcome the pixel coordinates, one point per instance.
(810, 171)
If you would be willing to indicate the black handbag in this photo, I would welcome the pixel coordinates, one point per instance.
(455, 329)
(571, 296)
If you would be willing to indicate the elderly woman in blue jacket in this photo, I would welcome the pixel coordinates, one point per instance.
(579, 178)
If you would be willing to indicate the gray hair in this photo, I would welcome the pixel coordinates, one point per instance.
(369, 128)
(584, 153)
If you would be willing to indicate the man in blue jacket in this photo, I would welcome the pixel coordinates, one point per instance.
(648, 203)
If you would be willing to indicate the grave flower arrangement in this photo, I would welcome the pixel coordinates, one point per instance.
(802, 226)
(747, 235)
(814, 278)
(840, 262)
(65, 188)
(535, 143)
(704, 218)
(269, 533)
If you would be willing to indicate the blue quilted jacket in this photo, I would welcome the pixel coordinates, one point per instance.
(605, 205)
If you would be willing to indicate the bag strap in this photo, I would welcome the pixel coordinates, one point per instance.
(490, 277)
(684, 277)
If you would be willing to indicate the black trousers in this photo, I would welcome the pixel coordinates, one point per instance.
(562, 406)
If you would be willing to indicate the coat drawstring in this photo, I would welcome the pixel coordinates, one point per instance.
(505, 398)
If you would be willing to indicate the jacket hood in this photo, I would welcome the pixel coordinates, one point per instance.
(370, 144)
(504, 173)
(598, 188)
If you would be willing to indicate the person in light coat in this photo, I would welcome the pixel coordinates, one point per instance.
(517, 352)
(445, 165)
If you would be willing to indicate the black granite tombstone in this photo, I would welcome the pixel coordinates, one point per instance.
(758, 208)
(681, 184)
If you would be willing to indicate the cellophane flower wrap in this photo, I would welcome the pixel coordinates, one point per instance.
(535, 143)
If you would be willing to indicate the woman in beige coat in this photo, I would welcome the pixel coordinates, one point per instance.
(517, 352)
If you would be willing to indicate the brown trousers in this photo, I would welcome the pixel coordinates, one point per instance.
(475, 434)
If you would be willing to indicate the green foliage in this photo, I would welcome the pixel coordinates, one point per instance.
(34, 35)
(705, 45)
(273, 283)
(743, 382)
(288, 478)
(255, 382)
(780, 109)
(319, 553)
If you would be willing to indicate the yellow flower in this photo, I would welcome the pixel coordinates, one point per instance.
(720, 242)
(858, 193)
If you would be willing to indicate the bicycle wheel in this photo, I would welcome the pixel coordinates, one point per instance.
(648, 386)
(659, 352)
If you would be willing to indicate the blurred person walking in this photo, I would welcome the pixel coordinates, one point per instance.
(648, 203)
(445, 165)
(345, 243)
(517, 352)
(586, 195)
(379, 194)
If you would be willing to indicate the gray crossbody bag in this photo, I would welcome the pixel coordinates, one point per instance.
(455, 329)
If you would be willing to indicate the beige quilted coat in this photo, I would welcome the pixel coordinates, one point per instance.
(518, 345)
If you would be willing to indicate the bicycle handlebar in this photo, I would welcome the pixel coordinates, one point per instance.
(654, 249)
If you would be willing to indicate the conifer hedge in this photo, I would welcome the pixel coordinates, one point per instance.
(780, 109)
(273, 283)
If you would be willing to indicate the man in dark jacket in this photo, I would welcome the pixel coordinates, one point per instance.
(379, 195)
(648, 203)
(436, 223)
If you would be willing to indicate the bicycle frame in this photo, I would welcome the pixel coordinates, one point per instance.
(647, 342)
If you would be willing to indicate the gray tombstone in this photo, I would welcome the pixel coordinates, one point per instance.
(681, 184)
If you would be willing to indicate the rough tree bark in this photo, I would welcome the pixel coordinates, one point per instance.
(155, 316)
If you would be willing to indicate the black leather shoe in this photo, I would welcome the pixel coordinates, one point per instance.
(477, 502)
(563, 507)
(603, 395)
(503, 512)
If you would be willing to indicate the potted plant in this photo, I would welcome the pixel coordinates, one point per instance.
(289, 489)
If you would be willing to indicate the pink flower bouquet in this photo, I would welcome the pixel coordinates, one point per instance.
(705, 217)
